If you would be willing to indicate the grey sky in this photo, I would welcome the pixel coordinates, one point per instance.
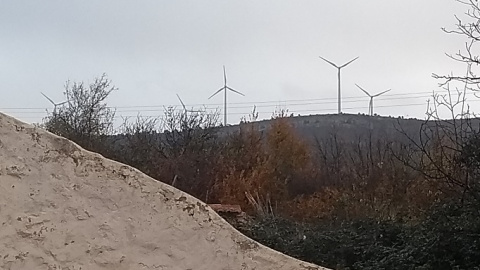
(154, 49)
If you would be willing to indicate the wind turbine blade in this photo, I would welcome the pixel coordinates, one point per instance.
(381, 93)
(344, 65)
(233, 90)
(328, 62)
(51, 101)
(183, 105)
(61, 103)
(365, 91)
(219, 90)
(224, 75)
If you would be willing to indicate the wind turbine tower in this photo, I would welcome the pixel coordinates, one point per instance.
(339, 68)
(54, 104)
(370, 105)
(224, 89)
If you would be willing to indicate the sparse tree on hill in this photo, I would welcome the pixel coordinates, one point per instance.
(85, 118)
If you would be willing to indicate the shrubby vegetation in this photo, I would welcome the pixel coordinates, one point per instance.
(363, 204)
(381, 201)
(447, 238)
(85, 118)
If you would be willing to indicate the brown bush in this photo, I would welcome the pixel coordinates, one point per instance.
(266, 165)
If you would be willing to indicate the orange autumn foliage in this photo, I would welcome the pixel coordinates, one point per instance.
(264, 165)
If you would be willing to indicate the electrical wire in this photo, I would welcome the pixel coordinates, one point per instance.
(332, 100)
(28, 113)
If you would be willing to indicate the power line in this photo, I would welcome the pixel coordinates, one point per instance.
(26, 112)
(259, 103)
(425, 94)
(263, 112)
(273, 101)
(210, 106)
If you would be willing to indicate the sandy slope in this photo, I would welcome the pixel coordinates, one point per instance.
(62, 207)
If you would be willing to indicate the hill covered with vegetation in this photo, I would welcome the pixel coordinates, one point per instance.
(344, 191)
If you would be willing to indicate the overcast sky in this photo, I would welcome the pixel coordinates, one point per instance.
(152, 50)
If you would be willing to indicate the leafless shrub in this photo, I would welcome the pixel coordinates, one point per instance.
(445, 138)
(85, 118)
(181, 146)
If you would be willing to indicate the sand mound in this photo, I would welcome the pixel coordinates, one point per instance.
(62, 207)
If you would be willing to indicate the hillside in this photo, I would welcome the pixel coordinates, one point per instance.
(349, 127)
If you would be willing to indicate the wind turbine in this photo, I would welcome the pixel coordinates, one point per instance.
(54, 104)
(339, 68)
(185, 110)
(370, 105)
(225, 88)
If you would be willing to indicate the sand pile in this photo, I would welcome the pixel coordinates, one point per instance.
(62, 207)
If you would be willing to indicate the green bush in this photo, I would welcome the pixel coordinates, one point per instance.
(448, 238)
